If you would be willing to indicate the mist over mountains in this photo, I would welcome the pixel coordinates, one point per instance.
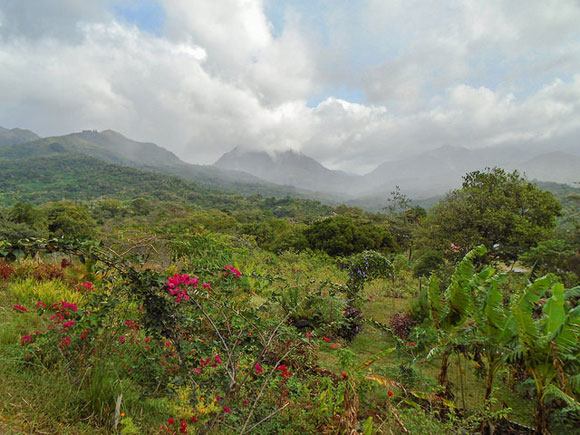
(247, 171)
(433, 172)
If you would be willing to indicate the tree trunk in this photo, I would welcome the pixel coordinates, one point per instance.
(489, 381)
(540, 423)
(443, 372)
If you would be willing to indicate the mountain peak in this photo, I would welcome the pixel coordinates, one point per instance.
(16, 136)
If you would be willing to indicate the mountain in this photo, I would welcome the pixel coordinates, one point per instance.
(422, 176)
(16, 136)
(557, 166)
(286, 168)
(114, 148)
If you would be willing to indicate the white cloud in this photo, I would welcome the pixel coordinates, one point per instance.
(217, 77)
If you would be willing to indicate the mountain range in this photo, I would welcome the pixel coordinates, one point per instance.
(246, 171)
(424, 175)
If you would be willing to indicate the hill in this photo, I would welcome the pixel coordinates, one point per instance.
(16, 136)
(112, 147)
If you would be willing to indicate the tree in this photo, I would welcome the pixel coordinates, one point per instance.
(403, 219)
(69, 220)
(341, 235)
(500, 210)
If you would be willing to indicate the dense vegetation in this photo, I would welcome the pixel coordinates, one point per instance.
(219, 313)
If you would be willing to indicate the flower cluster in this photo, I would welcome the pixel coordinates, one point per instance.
(176, 285)
(85, 286)
(284, 371)
(203, 363)
(231, 270)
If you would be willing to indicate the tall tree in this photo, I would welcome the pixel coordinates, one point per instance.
(494, 208)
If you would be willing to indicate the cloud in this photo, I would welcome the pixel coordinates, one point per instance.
(219, 75)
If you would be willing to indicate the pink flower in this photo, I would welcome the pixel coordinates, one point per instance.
(168, 344)
(232, 271)
(246, 400)
(227, 410)
(308, 335)
(69, 306)
(19, 308)
(258, 369)
(217, 359)
(371, 297)
(65, 342)
(121, 339)
(326, 339)
(40, 304)
(26, 339)
(196, 370)
(218, 398)
(68, 324)
(207, 286)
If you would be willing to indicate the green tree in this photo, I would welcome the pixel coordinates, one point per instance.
(404, 219)
(65, 219)
(341, 235)
(500, 210)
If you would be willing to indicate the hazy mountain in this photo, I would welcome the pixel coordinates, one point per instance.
(286, 168)
(16, 136)
(422, 176)
(556, 166)
(112, 147)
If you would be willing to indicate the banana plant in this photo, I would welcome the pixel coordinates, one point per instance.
(548, 344)
(451, 310)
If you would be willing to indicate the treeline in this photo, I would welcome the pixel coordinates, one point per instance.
(514, 219)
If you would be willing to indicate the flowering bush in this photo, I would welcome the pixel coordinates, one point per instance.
(362, 268)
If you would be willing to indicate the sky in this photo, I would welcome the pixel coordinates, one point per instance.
(350, 83)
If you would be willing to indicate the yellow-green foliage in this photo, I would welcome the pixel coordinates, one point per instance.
(30, 291)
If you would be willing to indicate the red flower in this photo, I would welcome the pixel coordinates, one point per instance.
(217, 359)
(171, 420)
(308, 335)
(40, 304)
(65, 342)
(121, 339)
(193, 419)
(183, 427)
(19, 308)
(68, 324)
(371, 298)
(284, 371)
(227, 410)
(326, 339)
(84, 333)
(26, 339)
(391, 393)
(258, 369)
(344, 375)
